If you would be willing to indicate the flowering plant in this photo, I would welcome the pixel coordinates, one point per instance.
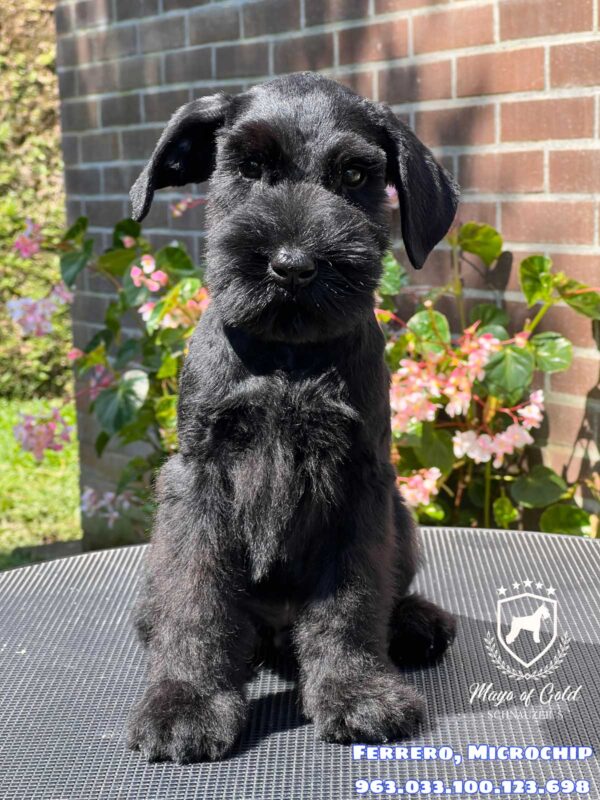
(470, 403)
(466, 407)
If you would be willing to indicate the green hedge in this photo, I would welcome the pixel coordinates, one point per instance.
(31, 185)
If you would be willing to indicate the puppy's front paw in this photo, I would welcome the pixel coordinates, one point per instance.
(421, 632)
(175, 722)
(373, 708)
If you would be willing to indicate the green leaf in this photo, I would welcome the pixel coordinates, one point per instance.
(553, 352)
(535, 276)
(102, 440)
(431, 330)
(538, 489)
(481, 240)
(77, 231)
(585, 302)
(488, 314)
(126, 227)
(496, 330)
(562, 518)
(504, 512)
(394, 275)
(116, 262)
(509, 370)
(117, 405)
(165, 409)
(126, 352)
(169, 366)
(72, 263)
(434, 511)
(435, 449)
(395, 352)
(176, 262)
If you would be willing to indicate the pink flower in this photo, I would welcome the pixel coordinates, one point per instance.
(537, 398)
(392, 196)
(38, 434)
(108, 506)
(28, 244)
(532, 416)
(520, 339)
(100, 378)
(468, 443)
(160, 277)
(415, 388)
(148, 263)
(146, 310)
(61, 293)
(420, 487)
(74, 354)
(179, 208)
(136, 276)
(149, 277)
(33, 316)
(128, 241)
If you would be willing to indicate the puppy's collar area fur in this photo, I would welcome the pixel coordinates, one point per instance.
(264, 356)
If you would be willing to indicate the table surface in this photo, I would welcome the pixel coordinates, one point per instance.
(71, 668)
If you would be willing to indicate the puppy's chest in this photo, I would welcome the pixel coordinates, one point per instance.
(282, 445)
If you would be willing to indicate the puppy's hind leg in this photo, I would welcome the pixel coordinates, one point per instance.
(420, 631)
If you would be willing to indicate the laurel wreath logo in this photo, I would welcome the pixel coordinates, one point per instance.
(519, 675)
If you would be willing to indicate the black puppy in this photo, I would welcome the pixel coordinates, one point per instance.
(281, 510)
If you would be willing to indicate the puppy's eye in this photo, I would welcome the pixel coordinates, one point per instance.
(251, 169)
(353, 177)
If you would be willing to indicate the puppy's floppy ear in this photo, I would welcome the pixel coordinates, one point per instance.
(185, 152)
(428, 195)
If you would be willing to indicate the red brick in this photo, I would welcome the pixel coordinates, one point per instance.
(271, 16)
(82, 181)
(380, 42)
(63, 18)
(162, 34)
(416, 82)
(79, 115)
(120, 110)
(580, 379)
(453, 28)
(388, 6)
(569, 118)
(92, 12)
(575, 64)
(502, 172)
(214, 24)
(579, 329)
(561, 223)
(308, 52)
(242, 60)
(493, 73)
(134, 9)
(158, 106)
(520, 19)
(566, 423)
(575, 171)
(98, 78)
(319, 11)
(456, 126)
(579, 266)
(186, 66)
(477, 212)
(142, 71)
(100, 147)
(115, 42)
(359, 82)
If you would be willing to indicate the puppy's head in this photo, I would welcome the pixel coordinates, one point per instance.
(298, 220)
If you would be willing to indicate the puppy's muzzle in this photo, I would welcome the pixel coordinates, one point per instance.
(292, 268)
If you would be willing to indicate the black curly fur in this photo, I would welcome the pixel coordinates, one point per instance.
(279, 518)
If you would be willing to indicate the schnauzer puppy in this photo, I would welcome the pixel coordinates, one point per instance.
(280, 511)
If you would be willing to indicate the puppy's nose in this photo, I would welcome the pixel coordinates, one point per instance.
(292, 268)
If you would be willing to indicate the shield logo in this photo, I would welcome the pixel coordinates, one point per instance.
(527, 626)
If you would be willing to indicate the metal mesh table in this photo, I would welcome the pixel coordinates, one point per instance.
(71, 668)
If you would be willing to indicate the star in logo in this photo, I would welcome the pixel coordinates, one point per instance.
(539, 585)
(502, 590)
(551, 590)
(527, 583)
(516, 585)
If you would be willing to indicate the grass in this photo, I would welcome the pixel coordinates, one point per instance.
(39, 501)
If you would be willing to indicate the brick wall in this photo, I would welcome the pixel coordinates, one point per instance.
(507, 93)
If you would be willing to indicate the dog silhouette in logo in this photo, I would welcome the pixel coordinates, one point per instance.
(531, 623)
